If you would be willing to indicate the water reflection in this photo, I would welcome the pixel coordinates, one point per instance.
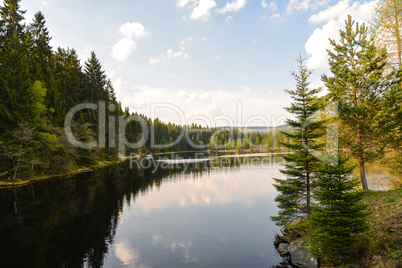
(185, 215)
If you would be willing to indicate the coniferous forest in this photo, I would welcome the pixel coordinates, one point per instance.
(323, 175)
(41, 84)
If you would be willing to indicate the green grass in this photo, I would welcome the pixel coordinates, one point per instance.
(383, 241)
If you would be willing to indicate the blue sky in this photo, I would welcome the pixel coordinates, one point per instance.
(214, 62)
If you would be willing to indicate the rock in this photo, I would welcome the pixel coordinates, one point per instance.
(301, 257)
(377, 262)
(283, 248)
(279, 239)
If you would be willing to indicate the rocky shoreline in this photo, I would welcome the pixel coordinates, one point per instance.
(298, 255)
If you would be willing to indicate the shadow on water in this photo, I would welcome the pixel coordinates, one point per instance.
(72, 222)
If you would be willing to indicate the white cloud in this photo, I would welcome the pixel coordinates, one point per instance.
(334, 19)
(182, 3)
(133, 30)
(169, 54)
(202, 10)
(229, 18)
(218, 57)
(126, 45)
(123, 49)
(210, 103)
(271, 6)
(304, 5)
(275, 16)
(234, 6)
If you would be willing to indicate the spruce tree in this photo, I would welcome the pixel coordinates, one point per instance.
(42, 65)
(16, 85)
(295, 191)
(96, 80)
(339, 215)
(70, 80)
(12, 17)
(358, 85)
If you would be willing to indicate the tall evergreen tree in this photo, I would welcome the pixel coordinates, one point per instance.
(42, 54)
(16, 92)
(96, 80)
(42, 64)
(70, 80)
(358, 85)
(295, 191)
(339, 215)
(12, 17)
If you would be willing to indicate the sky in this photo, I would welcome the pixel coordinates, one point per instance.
(210, 62)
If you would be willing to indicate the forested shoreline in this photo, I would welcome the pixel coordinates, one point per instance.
(40, 84)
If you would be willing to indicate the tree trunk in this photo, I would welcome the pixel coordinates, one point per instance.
(398, 35)
(17, 165)
(363, 175)
(308, 196)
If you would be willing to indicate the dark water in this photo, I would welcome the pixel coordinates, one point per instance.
(173, 214)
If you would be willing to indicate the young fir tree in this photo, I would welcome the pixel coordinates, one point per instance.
(358, 85)
(339, 216)
(295, 191)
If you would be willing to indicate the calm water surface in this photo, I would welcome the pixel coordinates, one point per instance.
(212, 212)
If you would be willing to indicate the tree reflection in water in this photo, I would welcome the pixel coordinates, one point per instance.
(71, 222)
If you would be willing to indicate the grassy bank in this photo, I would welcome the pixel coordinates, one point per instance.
(76, 170)
(381, 245)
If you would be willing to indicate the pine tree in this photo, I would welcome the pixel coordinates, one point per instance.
(295, 191)
(358, 85)
(387, 29)
(339, 215)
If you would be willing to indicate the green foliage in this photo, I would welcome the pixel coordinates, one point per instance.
(397, 254)
(387, 24)
(294, 196)
(359, 84)
(96, 80)
(339, 215)
(38, 98)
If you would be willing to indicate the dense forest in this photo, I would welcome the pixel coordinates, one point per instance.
(39, 85)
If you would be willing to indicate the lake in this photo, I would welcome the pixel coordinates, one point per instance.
(193, 210)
